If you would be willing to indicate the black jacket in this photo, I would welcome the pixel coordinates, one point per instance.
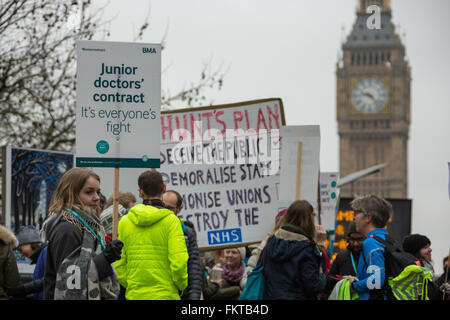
(64, 238)
(195, 281)
(293, 266)
(342, 266)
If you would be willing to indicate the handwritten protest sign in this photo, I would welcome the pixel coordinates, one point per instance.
(228, 178)
(224, 176)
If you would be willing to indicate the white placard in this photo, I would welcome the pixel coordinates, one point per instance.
(329, 199)
(118, 104)
(229, 203)
(299, 172)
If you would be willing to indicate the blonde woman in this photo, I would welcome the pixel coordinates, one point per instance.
(78, 264)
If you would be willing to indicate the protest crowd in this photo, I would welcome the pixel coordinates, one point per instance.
(156, 256)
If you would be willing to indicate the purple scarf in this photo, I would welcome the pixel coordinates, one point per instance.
(233, 277)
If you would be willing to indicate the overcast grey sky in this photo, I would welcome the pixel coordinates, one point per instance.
(289, 49)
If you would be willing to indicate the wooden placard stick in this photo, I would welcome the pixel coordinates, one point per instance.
(299, 170)
(116, 204)
(446, 276)
(319, 206)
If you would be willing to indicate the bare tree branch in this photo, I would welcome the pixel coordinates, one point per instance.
(38, 69)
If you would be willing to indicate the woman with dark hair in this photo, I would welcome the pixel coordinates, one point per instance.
(293, 261)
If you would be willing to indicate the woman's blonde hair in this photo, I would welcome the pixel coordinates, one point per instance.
(68, 190)
(300, 214)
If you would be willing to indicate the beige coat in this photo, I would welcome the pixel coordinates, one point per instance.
(256, 251)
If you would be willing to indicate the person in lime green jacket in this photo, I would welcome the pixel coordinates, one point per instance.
(153, 264)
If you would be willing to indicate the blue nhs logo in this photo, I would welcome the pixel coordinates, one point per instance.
(224, 236)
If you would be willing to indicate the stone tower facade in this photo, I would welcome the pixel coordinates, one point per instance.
(373, 104)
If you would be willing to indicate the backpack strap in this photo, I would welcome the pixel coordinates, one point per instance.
(390, 244)
(386, 243)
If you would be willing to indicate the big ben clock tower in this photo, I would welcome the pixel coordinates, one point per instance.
(373, 105)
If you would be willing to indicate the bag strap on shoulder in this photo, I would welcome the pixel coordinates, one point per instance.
(261, 257)
(387, 242)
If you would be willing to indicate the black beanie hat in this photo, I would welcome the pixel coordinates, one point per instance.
(414, 242)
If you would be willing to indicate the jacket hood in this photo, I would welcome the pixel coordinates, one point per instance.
(7, 236)
(144, 215)
(287, 242)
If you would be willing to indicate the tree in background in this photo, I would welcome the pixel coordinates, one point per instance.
(38, 70)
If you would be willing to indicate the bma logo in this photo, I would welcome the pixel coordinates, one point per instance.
(148, 50)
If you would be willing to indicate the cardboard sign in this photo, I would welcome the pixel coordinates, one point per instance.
(222, 167)
(223, 175)
(118, 104)
(299, 172)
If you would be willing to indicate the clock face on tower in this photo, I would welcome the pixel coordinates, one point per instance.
(369, 95)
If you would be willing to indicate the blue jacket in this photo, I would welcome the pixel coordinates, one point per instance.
(371, 269)
(292, 266)
(39, 271)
